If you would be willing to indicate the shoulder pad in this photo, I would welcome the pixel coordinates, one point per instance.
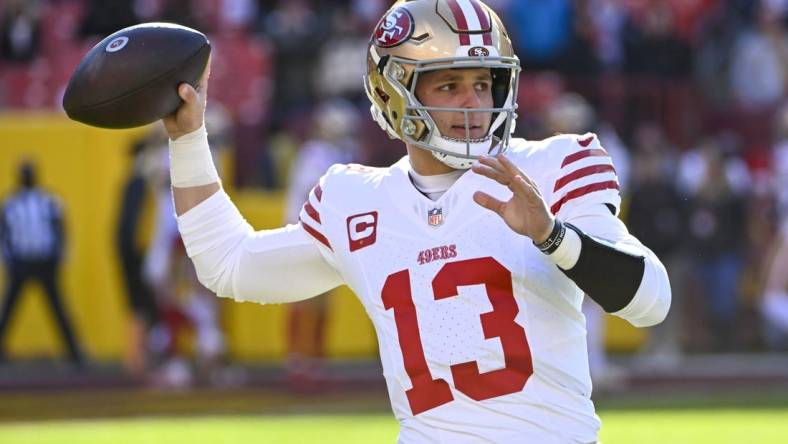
(342, 184)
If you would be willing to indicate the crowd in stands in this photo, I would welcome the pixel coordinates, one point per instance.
(689, 97)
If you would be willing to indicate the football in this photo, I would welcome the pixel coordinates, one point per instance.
(131, 78)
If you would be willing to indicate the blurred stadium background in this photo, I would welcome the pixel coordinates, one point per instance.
(689, 96)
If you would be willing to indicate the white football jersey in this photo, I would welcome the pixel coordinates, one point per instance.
(481, 336)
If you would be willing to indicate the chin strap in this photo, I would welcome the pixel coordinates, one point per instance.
(458, 163)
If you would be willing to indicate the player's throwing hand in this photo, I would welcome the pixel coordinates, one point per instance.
(526, 212)
(189, 116)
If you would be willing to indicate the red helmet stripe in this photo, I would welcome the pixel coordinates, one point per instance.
(483, 21)
(462, 23)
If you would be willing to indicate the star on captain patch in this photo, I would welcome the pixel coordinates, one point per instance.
(435, 217)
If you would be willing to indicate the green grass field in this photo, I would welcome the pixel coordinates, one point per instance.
(749, 426)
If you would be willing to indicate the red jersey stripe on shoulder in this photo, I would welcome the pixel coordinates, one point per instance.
(574, 157)
(582, 172)
(483, 21)
(312, 212)
(582, 191)
(462, 23)
(318, 192)
(316, 234)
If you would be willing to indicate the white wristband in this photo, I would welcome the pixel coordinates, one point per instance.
(567, 254)
(191, 162)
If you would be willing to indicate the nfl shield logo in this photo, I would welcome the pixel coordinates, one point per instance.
(435, 217)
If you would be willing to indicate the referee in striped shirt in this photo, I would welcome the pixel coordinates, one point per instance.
(31, 241)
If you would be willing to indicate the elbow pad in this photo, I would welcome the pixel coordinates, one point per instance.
(607, 275)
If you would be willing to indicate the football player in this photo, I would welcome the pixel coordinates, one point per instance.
(471, 254)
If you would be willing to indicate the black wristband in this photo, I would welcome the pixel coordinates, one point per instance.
(554, 240)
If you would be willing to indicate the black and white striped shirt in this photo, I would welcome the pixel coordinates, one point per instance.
(31, 226)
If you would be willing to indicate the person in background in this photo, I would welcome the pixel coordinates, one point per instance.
(31, 240)
(657, 216)
(20, 32)
(759, 59)
(184, 305)
(716, 233)
(132, 239)
(103, 17)
(774, 301)
(334, 142)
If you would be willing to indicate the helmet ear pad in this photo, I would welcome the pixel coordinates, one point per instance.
(502, 79)
(500, 86)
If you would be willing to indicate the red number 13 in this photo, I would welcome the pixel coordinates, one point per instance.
(428, 393)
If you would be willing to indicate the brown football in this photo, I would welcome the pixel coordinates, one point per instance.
(131, 78)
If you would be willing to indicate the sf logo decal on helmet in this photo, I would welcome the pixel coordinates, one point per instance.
(479, 51)
(394, 29)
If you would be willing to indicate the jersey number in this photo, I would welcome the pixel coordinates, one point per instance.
(428, 393)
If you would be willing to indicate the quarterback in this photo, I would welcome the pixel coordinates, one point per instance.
(471, 255)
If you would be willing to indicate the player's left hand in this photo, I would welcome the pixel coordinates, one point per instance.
(526, 212)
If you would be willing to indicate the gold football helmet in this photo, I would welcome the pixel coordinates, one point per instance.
(417, 36)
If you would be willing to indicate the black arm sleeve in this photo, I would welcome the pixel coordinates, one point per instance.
(608, 276)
